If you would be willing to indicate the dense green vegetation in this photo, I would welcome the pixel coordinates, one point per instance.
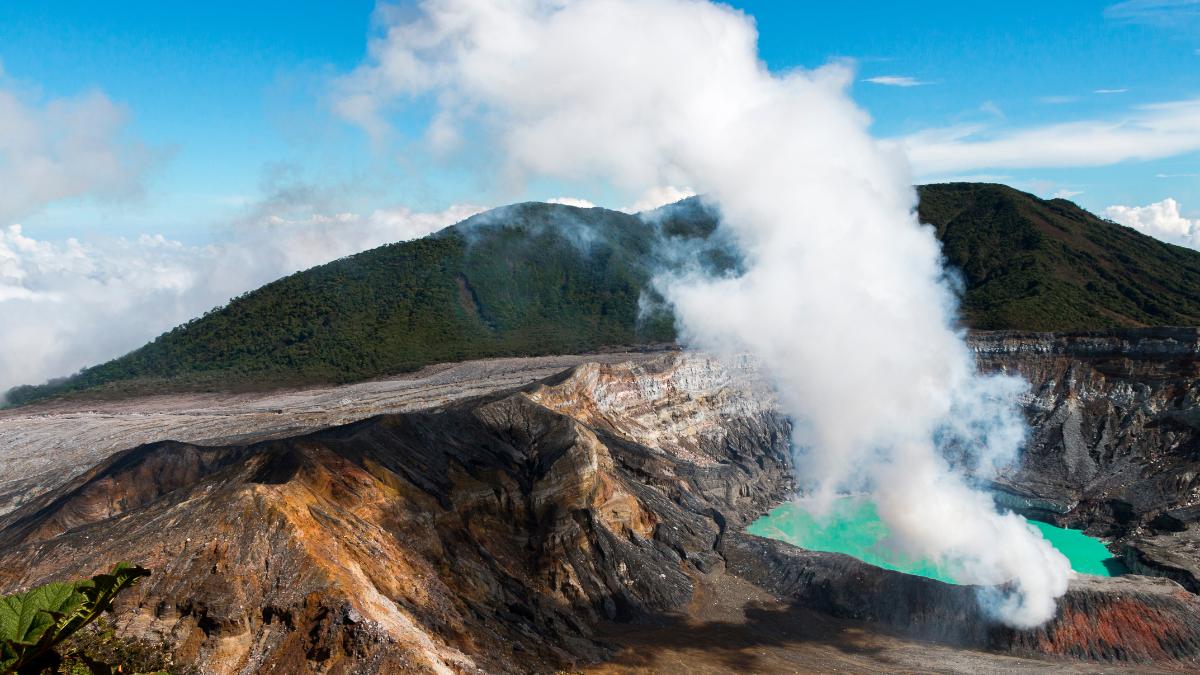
(1032, 264)
(539, 278)
(520, 280)
(34, 624)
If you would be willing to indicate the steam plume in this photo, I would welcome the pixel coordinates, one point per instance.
(843, 299)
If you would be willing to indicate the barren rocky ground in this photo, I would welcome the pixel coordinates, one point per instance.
(43, 446)
(585, 512)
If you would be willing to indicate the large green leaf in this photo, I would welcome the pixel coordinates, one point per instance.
(100, 591)
(33, 622)
(25, 617)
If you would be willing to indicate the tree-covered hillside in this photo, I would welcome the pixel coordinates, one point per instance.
(519, 280)
(1033, 264)
(541, 278)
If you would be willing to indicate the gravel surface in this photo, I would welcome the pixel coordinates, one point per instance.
(45, 445)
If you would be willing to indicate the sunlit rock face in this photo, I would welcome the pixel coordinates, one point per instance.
(1114, 446)
(492, 522)
(491, 534)
(1104, 407)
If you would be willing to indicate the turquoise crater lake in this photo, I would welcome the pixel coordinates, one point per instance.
(853, 527)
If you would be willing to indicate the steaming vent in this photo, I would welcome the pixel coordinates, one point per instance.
(842, 296)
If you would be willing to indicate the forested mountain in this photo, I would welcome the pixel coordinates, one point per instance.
(1034, 264)
(540, 278)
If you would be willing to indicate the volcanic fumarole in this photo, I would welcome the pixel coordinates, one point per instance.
(842, 299)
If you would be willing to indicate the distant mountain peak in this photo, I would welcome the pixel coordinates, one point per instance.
(539, 278)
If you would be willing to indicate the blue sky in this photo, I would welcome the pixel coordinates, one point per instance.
(163, 157)
(231, 99)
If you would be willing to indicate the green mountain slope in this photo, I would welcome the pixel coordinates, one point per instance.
(519, 280)
(1032, 264)
(540, 278)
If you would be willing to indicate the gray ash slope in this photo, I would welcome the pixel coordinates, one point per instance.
(498, 533)
(497, 525)
(490, 535)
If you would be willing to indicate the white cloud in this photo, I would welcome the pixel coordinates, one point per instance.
(1057, 100)
(572, 201)
(992, 109)
(1064, 193)
(1165, 13)
(896, 81)
(1110, 91)
(843, 289)
(67, 305)
(1161, 220)
(658, 196)
(648, 200)
(971, 178)
(1147, 132)
(64, 148)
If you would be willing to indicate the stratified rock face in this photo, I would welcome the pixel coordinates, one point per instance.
(491, 535)
(1130, 619)
(1114, 418)
(1114, 445)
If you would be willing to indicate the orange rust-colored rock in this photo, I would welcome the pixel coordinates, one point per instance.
(495, 533)
(489, 536)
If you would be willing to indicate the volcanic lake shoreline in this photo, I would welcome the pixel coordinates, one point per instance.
(498, 515)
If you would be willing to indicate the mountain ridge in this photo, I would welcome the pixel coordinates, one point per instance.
(536, 278)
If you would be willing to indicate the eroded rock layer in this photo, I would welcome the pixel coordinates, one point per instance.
(1114, 446)
(45, 445)
(490, 535)
(494, 532)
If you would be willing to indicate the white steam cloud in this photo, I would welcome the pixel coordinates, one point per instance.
(74, 304)
(1161, 220)
(64, 148)
(843, 299)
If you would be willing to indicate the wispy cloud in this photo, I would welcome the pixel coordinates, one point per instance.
(77, 303)
(577, 202)
(648, 200)
(1177, 175)
(1056, 100)
(897, 81)
(971, 178)
(1167, 13)
(1146, 132)
(65, 148)
(1066, 194)
(1110, 91)
(991, 108)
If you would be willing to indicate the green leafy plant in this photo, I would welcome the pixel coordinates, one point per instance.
(34, 623)
(100, 649)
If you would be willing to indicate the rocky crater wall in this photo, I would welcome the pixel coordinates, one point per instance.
(1114, 447)
(493, 530)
